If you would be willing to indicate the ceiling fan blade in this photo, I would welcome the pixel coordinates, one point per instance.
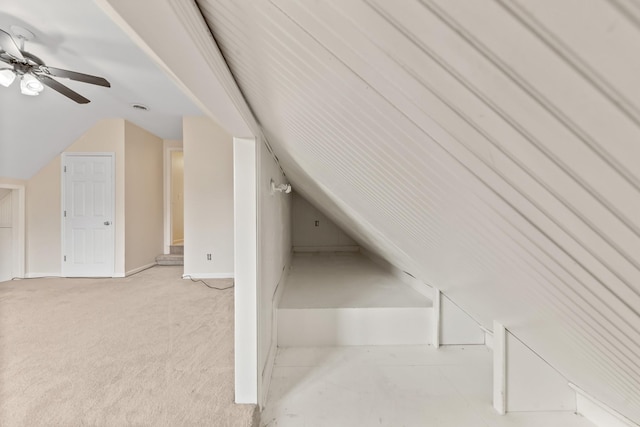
(9, 46)
(80, 77)
(59, 87)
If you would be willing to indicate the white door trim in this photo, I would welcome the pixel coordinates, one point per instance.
(168, 238)
(64, 157)
(18, 226)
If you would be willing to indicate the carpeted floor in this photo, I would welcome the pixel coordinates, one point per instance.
(148, 350)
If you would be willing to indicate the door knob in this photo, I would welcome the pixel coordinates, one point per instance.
(107, 223)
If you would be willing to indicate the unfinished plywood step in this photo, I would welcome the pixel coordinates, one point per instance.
(346, 299)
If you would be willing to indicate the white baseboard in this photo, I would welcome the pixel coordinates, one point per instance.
(139, 269)
(597, 412)
(326, 248)
(37, 275)
(208, 275)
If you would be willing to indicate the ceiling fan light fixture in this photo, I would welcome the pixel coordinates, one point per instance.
(31, 83)
(7, 77)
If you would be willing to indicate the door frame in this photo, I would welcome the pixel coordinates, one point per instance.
(64, 157)
(168, 226)
(18, 221)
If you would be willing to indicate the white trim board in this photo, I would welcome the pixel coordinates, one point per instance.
(37, 275)
(208, 276)
(139, 269)
(326, 249)
(597, 412)
(246, 266)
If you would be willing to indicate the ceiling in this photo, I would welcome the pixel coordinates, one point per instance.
(490, 148)
(77, 35)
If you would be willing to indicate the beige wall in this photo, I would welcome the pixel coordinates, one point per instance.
(43, 207)
(143, 197)
(138, 204)
(43, 201)
(177, 196)
(208, 198)
(108, 136)
(11, 181)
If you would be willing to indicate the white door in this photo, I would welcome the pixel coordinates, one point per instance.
(88, 213)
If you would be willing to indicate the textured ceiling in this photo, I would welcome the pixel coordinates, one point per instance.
(77, 35)
(490, 148)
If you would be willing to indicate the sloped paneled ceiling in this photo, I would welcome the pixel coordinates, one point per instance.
(491, 148)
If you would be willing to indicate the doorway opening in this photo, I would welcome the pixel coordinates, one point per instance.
(173, 200)
(12, 237)
(177, 198)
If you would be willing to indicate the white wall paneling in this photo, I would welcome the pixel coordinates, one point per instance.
(274, 259)
(456, 327)
(533, 385)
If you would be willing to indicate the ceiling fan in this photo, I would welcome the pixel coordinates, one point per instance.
(33, 73)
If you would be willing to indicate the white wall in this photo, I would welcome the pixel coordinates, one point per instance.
(307, 236)
(532, 384)
(208, 199)
(274, 258)
(456, 327)
(246, 267)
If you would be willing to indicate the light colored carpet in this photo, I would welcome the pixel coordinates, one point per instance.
(148, 350)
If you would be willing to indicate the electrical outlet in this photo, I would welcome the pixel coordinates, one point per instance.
(208, 257)
(317, 223)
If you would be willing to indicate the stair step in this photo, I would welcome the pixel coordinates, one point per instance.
(176, 249)
(346, 299)
(170, 259)
(319, 327)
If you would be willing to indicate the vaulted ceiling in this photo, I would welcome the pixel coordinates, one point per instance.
(77, 35)
(489, 148)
